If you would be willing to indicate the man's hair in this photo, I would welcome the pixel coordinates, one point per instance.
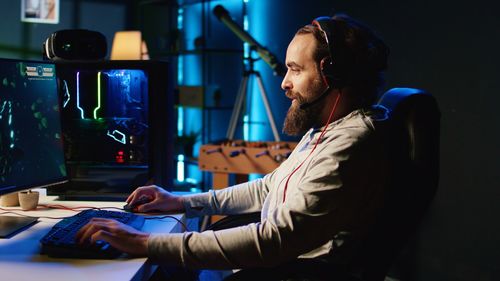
(366, 54)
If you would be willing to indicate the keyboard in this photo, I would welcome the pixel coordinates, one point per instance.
(60, 241)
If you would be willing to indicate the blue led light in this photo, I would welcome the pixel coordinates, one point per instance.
(246, 127)
(180, 121)
(259, 127)
(180, 168)
(180, 18)
(180, 59)
(245, 22)
(180, 111)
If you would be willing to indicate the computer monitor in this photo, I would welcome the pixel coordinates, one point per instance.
(31, 146)
(118, 127)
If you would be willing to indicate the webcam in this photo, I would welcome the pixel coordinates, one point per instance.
(75, 44)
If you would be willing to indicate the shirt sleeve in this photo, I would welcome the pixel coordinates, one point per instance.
(239, 199)
(325, 203)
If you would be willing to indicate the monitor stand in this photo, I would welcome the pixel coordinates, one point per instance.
(11, 225)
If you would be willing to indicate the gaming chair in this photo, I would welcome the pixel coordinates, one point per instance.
(412, 139)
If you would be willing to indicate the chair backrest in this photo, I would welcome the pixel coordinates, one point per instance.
(412, 140)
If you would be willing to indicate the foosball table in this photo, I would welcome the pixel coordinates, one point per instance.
(240, 158)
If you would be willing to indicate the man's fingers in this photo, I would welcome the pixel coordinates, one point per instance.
(140, 192)
(120, 236)
(134, 196)
(130, 198)
(85, 233)
(146, 207)
(101, 235)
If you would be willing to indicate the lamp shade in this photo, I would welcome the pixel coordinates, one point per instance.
(128, 45)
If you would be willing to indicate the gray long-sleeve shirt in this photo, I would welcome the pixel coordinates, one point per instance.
(330, 202)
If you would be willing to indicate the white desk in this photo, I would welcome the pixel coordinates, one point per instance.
(20, 258)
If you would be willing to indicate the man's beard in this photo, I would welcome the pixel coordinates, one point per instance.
(297, 120)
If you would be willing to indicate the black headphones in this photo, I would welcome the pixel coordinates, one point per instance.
(336, 69)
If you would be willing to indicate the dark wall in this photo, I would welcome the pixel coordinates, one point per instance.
(24, 40)
(449, 49)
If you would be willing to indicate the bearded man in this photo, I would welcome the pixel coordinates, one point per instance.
(318, 205)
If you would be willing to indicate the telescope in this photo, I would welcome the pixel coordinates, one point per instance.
(223, 15)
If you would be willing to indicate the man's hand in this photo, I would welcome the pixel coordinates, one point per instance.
(123, 237)
(159, 200)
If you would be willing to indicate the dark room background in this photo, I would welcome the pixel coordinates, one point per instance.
(449, 48)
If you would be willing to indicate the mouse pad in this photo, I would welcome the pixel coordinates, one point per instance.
(10, 225)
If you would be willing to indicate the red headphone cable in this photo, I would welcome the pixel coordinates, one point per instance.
(316, 144)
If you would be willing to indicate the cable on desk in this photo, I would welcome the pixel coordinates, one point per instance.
(76, 209)
(168, 217)
(27, 216)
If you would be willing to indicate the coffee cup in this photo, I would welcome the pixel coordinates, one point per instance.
(28, 200)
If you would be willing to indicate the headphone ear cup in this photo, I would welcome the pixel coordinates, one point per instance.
(327, 70)
(325, 63)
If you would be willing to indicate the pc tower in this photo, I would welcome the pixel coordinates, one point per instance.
(118, 128)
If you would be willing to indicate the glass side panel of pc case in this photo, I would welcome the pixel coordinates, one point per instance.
(105, 115)
(107, 126)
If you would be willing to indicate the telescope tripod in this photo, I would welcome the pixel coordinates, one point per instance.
(241, 97)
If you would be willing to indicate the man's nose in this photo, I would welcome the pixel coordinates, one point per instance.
(286, 84)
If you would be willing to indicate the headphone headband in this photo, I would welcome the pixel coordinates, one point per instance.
(337, 69)
(325, 25)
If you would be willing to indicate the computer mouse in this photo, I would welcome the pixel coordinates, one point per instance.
(131, 207)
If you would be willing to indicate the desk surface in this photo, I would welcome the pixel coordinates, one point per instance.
(20, 258)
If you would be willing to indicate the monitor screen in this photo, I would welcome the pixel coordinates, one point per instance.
(31, 146)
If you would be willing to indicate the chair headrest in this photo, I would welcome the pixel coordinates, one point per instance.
(397, 99)
(414, 115)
